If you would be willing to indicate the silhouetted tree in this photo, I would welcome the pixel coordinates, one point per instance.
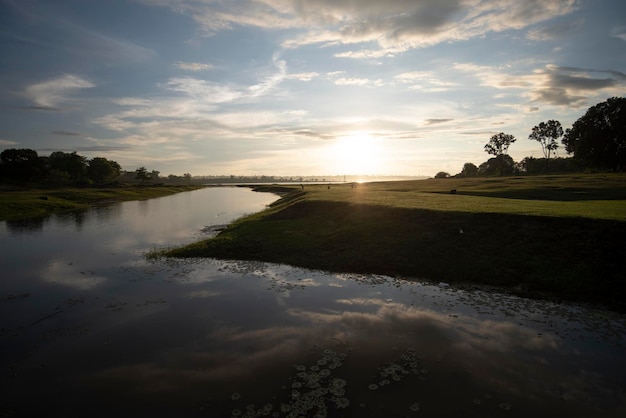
(547, 134)
(142, 174)
(442, 175)
(21, 164)
(599, 137)
(532, 165)
(498, 146)
(100, 170)
(71, 165)
(502, 165)
(469, 170)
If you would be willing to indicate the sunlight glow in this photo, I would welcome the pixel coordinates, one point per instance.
(356, 153)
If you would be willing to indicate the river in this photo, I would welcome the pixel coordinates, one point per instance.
(91, 327)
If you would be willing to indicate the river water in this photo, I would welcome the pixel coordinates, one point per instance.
(90, 327)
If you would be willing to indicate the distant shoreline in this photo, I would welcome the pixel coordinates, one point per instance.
(26, 203)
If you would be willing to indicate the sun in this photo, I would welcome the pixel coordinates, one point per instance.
(356, 153)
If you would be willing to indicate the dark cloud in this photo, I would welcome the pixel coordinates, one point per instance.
(615, 74)
(42, 108)
(93, 148)
(559, 97)
(581, 82)
(556, 31)
(313, 134)
(66, 133)
(437, 121)
(566, 86)
(479, 133)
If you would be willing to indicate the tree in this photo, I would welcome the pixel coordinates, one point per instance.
(442, 175)
(599, 137)
(101, 170)
(501, 165)
(142, 174)
(547, 134)
(72, 165)
(498, 146)
(469, 170)
(21, 164)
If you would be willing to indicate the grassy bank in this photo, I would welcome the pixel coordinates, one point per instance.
(560, 236)
(36, 202)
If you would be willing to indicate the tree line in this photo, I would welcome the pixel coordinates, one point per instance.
(596, 141)
(25, 166)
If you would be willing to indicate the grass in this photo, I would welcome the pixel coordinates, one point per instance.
(16, 203)
(556, 236)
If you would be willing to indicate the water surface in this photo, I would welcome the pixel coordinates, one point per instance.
(91, 328)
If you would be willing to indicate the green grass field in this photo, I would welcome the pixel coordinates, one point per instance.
(36, 202)
(554, 236)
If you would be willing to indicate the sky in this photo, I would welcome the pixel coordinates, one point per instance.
(301, 87)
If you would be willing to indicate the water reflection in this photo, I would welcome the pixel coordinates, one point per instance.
(103, 332)
(26, 227)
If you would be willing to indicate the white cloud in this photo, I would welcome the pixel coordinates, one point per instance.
(193, 66)
(303, 76)
(424, 81)
(51, 93)
(352, 81)
(205, 91)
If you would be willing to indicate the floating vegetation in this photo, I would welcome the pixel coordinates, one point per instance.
(314, 391)
(116, 305)
(408, 363)
(505, 406)
(152, 302)
(12, 296)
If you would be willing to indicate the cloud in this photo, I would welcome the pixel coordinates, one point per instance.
(193, 66)
(7, 142)
(66, 133)
(392, 26)
(437, 121)
(550, 32)
(424, 80)
(303, 76)
(619, 32)
(49, 94)
(206, 91)
(313, 134)
(554, 85)
(352, 81)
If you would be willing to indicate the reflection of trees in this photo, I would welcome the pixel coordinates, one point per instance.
(74, 217)
(26, 226)
(77, 218)
(108, 212)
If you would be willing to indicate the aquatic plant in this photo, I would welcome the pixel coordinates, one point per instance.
(313, 391)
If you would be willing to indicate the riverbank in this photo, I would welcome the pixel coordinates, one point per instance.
(560, 237)
(18, 203)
